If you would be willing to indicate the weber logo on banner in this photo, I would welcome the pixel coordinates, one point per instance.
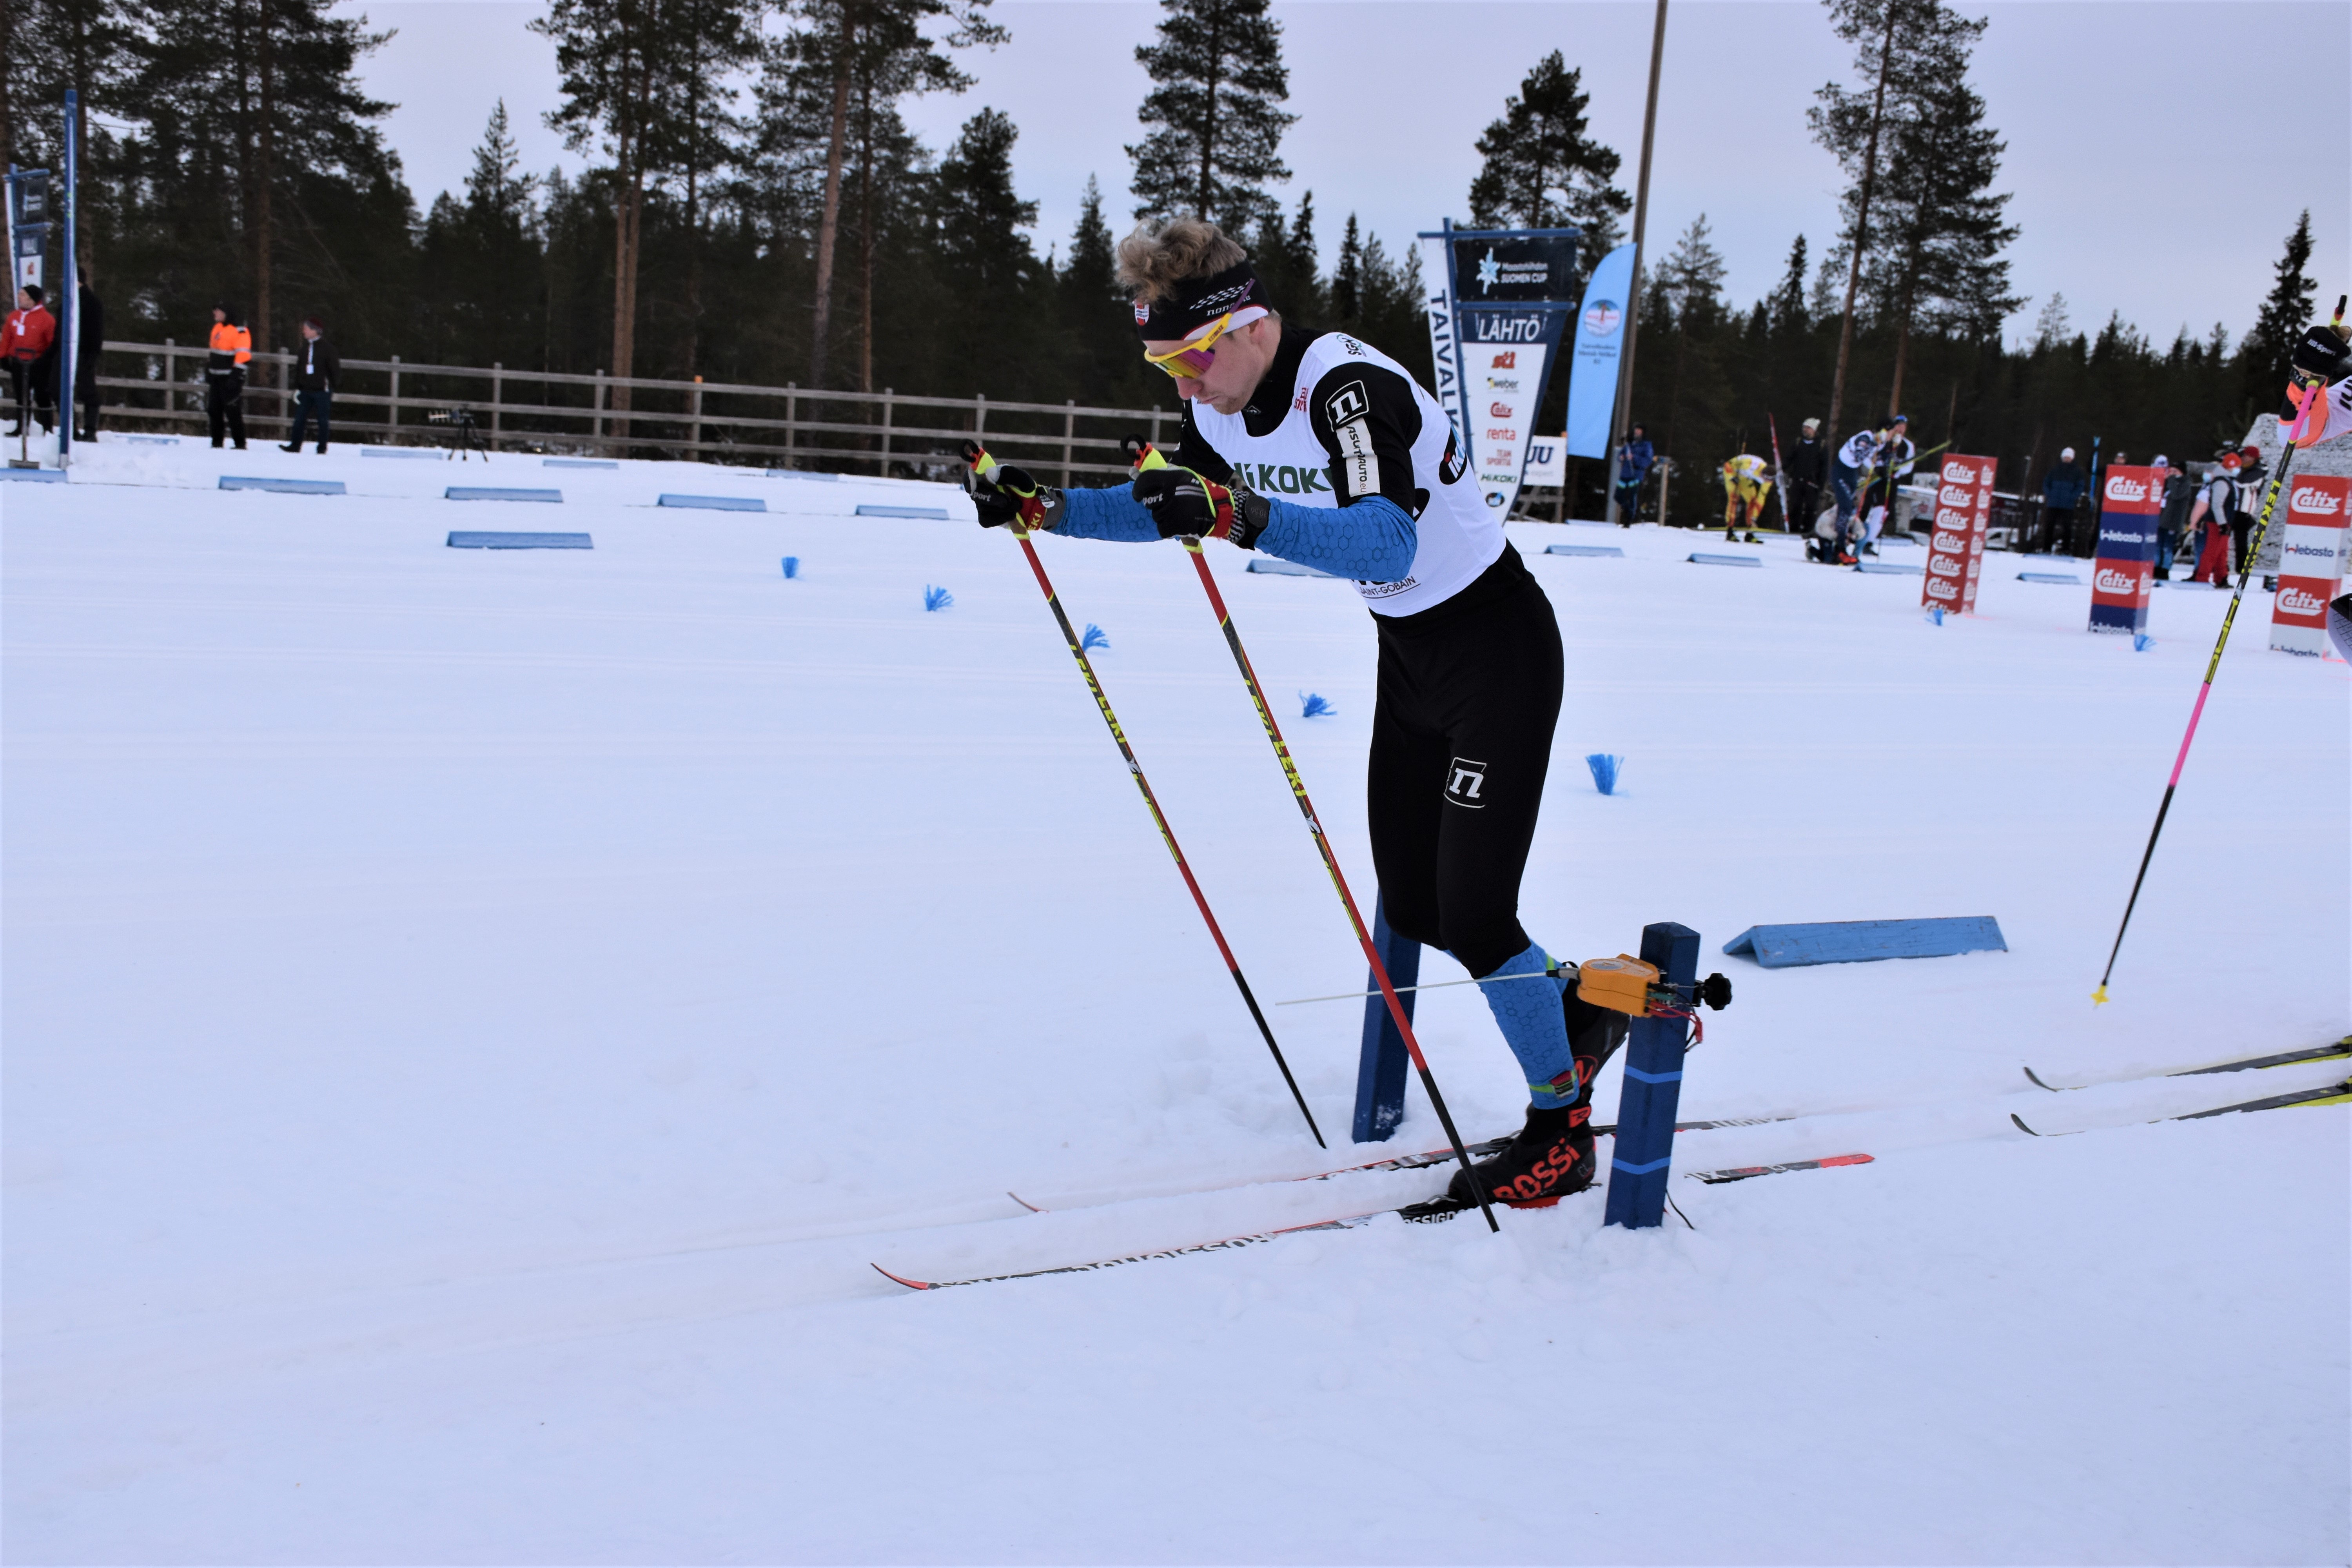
(2311, 561)
(2122, 578)
(1498, 302)
(1955, 549)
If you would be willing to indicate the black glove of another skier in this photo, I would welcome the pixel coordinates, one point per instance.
(1002, 494)
(1182, 502)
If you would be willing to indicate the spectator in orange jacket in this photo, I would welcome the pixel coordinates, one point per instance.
(29, 332)
(232, 350)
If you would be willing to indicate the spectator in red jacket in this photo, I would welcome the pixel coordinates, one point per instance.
(25, 340)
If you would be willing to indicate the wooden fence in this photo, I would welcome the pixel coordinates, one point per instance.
(389, 401)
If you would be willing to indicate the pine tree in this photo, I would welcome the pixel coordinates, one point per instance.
(1790, 317)
(220, 91)
(47, 46)
(483, 283)
(2051, 328)
(698, 134)
(1935, 252)
(1285, 258)
(1348, 278)
(1543, 170)
(2293, 304)
(1215, 109)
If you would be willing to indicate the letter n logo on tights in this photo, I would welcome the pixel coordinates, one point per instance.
(1464, 781)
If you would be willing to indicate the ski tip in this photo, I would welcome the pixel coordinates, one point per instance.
(910, 1284)
(2035, 1080)
(1024, 1203)
(1848, 1160)
(2021, 1127)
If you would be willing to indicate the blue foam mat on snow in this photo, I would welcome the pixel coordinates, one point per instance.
(1703, 559)
(1890, 569)
(1863, 942)
(463, 541)
(427, 454)
(579, 462)
(282, 487)
(34, 476)
(934, 513)
(494, 493)
(714, 503)
(1582, 550)
(2066, 577)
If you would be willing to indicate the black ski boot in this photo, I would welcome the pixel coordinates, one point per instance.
(1552, 1156)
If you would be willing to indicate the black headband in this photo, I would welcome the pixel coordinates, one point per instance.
(1196, 302)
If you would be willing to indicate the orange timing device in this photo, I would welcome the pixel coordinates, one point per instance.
(1620, 984)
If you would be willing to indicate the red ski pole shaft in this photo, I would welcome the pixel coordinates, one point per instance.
(2302, 399)
(1160, 820)
(1331, 865)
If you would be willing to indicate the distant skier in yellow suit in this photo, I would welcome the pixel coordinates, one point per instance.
(1746, 479)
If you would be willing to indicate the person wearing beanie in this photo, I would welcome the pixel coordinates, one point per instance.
(1806, 467)
(232, 350)
(24, 343)
(1321, 449)
(2062, 492)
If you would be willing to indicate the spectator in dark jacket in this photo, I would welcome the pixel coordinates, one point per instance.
(1634, 459)
(2062, 492)
(316, 370)
(89, 342)
(2181, 488)
(1807, 466)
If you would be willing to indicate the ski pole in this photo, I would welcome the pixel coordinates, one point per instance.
(983, 465)
(2303, 396)
(1145, 458)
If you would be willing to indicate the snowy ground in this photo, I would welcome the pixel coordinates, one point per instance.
(472, 1018)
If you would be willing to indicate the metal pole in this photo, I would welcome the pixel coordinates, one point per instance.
(1624, 410)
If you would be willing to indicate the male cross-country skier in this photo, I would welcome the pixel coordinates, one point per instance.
(1322, 450)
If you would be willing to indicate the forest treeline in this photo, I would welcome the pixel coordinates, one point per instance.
(755, 208)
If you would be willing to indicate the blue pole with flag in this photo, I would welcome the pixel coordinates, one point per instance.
(68, 296)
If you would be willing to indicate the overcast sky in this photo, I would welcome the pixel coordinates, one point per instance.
(2156, 163)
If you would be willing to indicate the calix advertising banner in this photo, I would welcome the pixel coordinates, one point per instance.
(2311, 562)
(2123, 577)
(1956, 546)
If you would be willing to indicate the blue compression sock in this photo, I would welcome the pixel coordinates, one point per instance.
(1528, 1012)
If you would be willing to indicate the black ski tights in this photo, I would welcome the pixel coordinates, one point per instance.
(1469, 692)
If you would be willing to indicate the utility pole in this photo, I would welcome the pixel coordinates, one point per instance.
(1633, 298)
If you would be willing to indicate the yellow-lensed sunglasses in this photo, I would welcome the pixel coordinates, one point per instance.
(1192, 358)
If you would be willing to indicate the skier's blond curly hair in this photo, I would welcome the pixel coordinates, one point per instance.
(1159, 256)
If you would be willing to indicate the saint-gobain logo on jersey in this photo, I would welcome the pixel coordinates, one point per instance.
(1464, 780)
(2123, 487)
(2312, 499)
(1602, 317)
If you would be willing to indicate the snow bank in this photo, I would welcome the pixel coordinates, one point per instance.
(473, 1018)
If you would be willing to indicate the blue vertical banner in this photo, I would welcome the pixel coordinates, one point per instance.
(1498, 302)
(69, 295)
(1598, 351)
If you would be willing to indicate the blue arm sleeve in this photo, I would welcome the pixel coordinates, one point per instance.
(1109, 513)
(1372, 541)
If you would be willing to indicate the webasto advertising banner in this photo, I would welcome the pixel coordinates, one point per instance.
(2123, 575)
(1600, 346)
(1498, 304)
(2311, 561)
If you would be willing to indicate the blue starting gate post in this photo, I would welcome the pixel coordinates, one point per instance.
(1643, 1158)
(1380, 1078)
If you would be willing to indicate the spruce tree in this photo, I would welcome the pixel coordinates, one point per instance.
(1788, 314)
(1543, 170)
(2292, 306)
(1285, 260)
(1215, 110)
(1348, 278)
